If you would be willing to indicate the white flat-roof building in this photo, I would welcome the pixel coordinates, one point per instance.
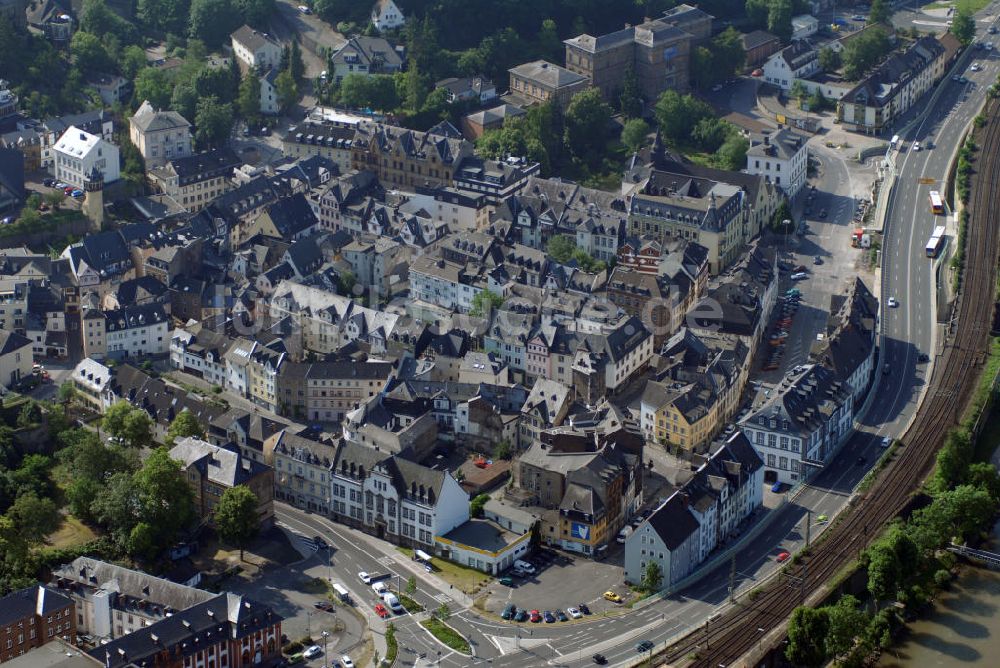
(781, 157)
(78, 153)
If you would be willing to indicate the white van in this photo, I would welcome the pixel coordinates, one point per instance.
(392, 601)
(379, 588)
(524, 566)
(895, 141)
(624, 534)
(341, 592)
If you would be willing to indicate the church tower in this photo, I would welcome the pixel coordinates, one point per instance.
(93, 201)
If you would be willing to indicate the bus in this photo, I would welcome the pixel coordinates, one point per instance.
(937, 205)
(935, 242)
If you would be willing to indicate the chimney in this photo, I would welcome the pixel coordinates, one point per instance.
(767, 140)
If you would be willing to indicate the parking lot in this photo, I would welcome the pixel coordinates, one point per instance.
(547, 588)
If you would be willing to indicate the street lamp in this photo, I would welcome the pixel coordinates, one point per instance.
(325, 636)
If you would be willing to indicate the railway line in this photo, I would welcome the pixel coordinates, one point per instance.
(723, 642)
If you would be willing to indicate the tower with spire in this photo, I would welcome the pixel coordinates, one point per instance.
(93, 201)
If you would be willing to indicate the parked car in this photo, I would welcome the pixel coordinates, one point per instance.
(561, 616)
(574, 613)
(68, 189)
(325, 606)
(644, 646)
(599, 659)
(584, 609)
(346, 661)
(509, 611)
(799, 276)
(367, 579)
(383, 612)
(923, 357)
(48, 183)
(312, 652)
(521, 616)
(506, 581)
(782, 556)
(536, 616)
(776, 487)
(548, 617)
(612, 596)
(305, 10)
(76, 193)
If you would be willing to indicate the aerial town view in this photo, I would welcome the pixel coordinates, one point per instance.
(499, 333)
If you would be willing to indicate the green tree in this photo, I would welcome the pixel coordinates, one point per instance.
(133, 59)
(483, 302)
(544, 127)
(779, 18)
(953, 460)
(798, 91)
(864, 52)
(411, 586)
(214, 121)
(212, 21)
(29, 416)
(128, 424)
(677, 115)
(652, 577)
(169, 16)
(963, 25)
(236, 516)
(185, 424)
(561, 248)
(443, 612)
(287, 91)
(295, 64)
(727, 52)
(89, 54)
(829, 60)
(152, 84)
(550, 47)
(846, 621)
(163, 496)
(184, 99)
(984, 476)
(703, 72)
(807, 631)
(215, 81)
(880, 12)
(631, 95)
(588, 119)
(757, 11)
(709, 134)
(635, 134)
(358, 91)
(502, 450)
(883, 572)
(255, 12)
(248, 98)
(477, 503)
(34, 517)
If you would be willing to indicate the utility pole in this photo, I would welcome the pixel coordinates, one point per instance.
(809, 517)
(732, 578)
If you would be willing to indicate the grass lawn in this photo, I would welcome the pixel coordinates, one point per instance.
(410, 605)
(973, 5)
(466, 579)
(447, 635)
(71, 532)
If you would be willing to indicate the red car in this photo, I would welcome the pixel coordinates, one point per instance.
(782, 556)
(68, 189)
(536, 616)
(381, 611)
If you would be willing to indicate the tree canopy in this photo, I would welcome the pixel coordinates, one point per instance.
(963, 25)
(185, 424)
(236, 516)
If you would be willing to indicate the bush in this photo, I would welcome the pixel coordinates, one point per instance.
(942, 577)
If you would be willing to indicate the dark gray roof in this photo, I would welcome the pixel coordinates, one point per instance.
(11, 341)
(253, 39)
(547, 74)
(673, 521)
(206, 165)
(222, 465)
(292, 215)
(135, 585)
(188, 633)
(25, 602)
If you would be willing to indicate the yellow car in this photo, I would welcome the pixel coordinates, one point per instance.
(613, 597)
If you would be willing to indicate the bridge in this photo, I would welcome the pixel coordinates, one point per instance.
(991, 559)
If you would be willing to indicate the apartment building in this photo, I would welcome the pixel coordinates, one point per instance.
(113, 601)
(79, 155)
(195, 180)
(255, 50)
(135, 331)
(211, 470)
(408, 158)
(303, 470)
(802, 425)
(540, 81)
(159, 135)
(34, 616)
(720, 493)
(781, 157)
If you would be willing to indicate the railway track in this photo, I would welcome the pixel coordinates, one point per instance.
(954, 379)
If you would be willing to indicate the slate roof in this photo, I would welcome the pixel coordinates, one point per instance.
(375, 52)
(292, 216)
(549, 75)
(11, 341)
(188, 633)
(22, 603)
(673, 521)
(218, 464)
(253, 39)
(132, 317)
(148, 119)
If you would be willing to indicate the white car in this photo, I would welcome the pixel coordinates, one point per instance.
(312, 652)
(346, 661)
(892, 302)
(379, 588)
(799, 276)
(367, 579)
(975, 67)
(916, 146)
(305, 10)
(574, 613)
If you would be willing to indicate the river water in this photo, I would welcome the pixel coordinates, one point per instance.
(963, 629)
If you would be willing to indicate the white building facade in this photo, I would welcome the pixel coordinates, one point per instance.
(78, 153)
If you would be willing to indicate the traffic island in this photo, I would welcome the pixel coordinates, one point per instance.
(447, 635)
